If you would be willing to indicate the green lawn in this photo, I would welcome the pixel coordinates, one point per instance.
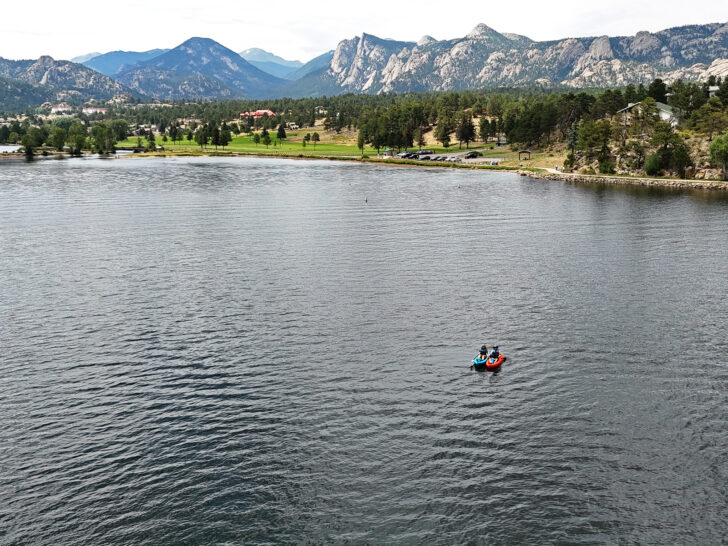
(245, 144)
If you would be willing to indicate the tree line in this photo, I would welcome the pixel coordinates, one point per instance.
(585, 120)
(65, 134)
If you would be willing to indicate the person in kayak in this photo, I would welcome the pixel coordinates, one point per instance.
(483, 354)
(494, 353)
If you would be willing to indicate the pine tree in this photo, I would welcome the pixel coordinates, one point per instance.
(225, 136)
(484, 128)
(443, 134)
(420, 137)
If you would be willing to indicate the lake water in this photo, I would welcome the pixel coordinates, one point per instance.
(259, 351)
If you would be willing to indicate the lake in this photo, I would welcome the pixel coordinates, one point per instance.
(259, 351)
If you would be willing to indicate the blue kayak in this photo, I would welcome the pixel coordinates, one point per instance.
(490, 363)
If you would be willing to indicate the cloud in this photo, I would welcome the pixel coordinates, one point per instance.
(301, 30)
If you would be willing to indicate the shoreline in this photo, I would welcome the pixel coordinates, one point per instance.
(532, 172)
(674, 183)
(540, 173)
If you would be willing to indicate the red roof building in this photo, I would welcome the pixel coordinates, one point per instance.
(258, 114)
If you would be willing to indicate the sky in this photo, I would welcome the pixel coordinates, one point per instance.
(301, 30)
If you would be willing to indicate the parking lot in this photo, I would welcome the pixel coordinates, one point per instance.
(461, 156)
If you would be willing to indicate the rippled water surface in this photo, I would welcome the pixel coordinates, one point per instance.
(258, 351)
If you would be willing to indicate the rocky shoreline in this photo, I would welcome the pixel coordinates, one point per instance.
(681, 184)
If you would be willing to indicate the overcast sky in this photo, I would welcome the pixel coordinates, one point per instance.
(300, 30)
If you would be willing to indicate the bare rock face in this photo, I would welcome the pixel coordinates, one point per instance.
(344, 56)
(599, 50)
(698, 71)
(642, 44)
(718, 67)
(362, 64)
(486, 57)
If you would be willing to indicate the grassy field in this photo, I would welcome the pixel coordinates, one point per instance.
(245, 144)
(342, 145)
(331, 145)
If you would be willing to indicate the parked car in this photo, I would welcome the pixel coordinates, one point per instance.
(425, 157)
(471, 155)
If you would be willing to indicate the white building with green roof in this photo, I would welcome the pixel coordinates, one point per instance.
(665, 112)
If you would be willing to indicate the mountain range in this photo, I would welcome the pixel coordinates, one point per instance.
(115, 62)
(33, 82)
(487, 58)
(201, 68)
(270, 63)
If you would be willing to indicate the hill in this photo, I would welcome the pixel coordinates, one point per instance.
(33, 82)
(199, 68)
(116, 61)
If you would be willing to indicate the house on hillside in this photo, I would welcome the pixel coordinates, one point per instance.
(663, 110)
(712, 90)
(90, 110)
(61, 108)
(258, 114)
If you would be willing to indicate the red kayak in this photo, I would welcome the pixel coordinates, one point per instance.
(490, 363)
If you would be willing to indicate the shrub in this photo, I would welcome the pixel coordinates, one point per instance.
(653, 165)
(680, 159)
(607, 167)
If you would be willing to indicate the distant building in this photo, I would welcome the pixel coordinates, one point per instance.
(61, 108)
(90, 110)
(712, 90)
(120, 99)
(663, 110)
(258, 114)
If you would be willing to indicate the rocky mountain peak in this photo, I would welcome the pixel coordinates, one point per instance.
(426, 40)
(481, 32)
(199, 67)
(197, 41)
